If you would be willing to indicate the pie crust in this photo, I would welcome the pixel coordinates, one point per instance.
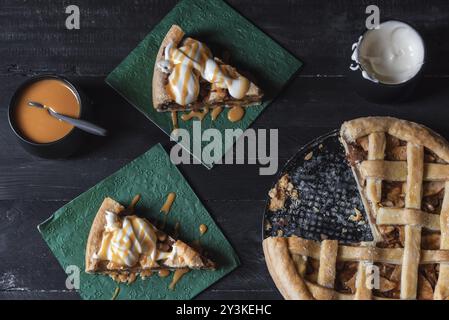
(402, 170)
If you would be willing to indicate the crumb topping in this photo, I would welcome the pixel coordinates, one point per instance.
(283, 190)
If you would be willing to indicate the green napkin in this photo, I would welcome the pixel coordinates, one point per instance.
(153, 176)
(223, 30)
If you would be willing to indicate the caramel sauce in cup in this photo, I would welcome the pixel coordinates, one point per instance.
(37, 125)
(36, 130)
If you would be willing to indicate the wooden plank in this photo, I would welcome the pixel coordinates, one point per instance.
(212, 294)
(49, 180)
(39, 295)
(317, 31)
(298, 114)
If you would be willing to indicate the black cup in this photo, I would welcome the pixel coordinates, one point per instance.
(379, 92)
(68, 144)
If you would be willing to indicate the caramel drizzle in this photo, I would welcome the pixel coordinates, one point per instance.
(134, 202)
(179, 273)
(187, 75)
(215, 113)
(192, 55)
(203, 229)
(166, 208)
(168, 203)
(236, 113)
(174, 119)
(195, 114)
(196, 244)
(116, 292)
(133, 242)
(163, 273)
(190, 62)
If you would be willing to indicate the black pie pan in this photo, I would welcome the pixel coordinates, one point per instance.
(328, 196)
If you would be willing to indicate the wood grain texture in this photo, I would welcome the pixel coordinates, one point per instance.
(320, 33)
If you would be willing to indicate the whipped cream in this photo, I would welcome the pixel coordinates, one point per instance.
(193, 60)
(391, 54)
(111, 221)
(130, 242)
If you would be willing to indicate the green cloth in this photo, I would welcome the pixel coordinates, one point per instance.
(153, 176)
(223, 30)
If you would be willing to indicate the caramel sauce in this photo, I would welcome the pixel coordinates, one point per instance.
(134, 203)
(174, 119)
(174, 133)
(195, 114)
(36, 124)
(215, 113)
(236, 114)
(203, 229)
(163, 273)
(179, 273)
(123, 277)
(185, 83)
(116, 292)
(132, 277)
(146, 274)
(166, 209)
(131, 243)
(168, 203)
(189, 62)
(161, 236)
(170, 92)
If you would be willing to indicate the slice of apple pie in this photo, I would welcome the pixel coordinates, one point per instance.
(123, 245)
(188, 77)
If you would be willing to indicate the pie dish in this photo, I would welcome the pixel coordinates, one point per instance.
(123, 245)
(402, 171)
(187, 77)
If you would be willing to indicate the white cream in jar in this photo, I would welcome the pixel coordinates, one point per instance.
(391, 54)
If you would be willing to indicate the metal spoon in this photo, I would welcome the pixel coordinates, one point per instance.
(81, 124)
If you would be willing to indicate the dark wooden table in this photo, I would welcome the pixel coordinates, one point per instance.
(33, 40)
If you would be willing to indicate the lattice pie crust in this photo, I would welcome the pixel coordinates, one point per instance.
(402, 170)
